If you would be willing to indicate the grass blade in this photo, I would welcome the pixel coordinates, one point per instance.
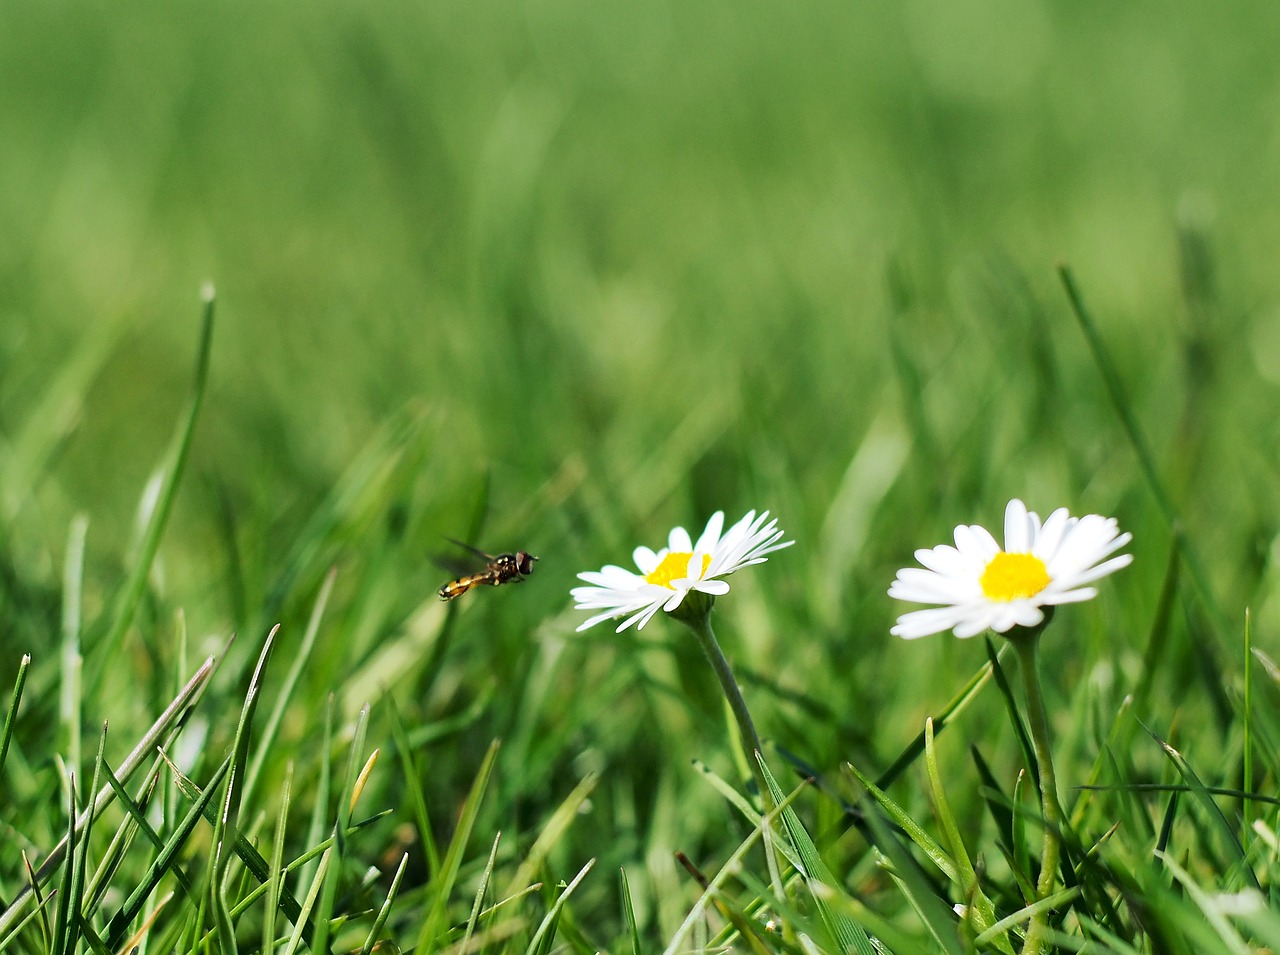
(914, 831)
(485, 878)
(629, 912)
(62, 910)
(552, 830)
(953, 709)
(1146, 462)
(1215, 814)
(937, 918)
(69, 708)
(442, 886)
(981, 911)
(167, 858)
(845, 932)
(545, 935)
(271, 731)
(14, 701)
(385, 910)
(275, 874)
(171, 474)
(346, 799)
(170, 719)
(413, 786)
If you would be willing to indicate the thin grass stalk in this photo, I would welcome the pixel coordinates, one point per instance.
(320, 799)
(176, 459)
(1246, 807)
(171, 718)
(69, 701)
(384, 912)
(1146, 460)
(276, 873)
(346, 798)
(14, 701)
(300, 659)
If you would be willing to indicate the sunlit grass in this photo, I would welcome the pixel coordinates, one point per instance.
(559, 278)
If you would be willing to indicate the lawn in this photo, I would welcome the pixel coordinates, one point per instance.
(291, 296)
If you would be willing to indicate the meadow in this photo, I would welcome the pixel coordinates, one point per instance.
(292, 295)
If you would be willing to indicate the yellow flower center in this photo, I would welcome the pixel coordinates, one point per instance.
(672, 567)
(1014, 576)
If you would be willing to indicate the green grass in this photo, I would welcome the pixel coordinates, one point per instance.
(560, 277)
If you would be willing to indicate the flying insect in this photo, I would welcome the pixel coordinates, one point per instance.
(500, 569)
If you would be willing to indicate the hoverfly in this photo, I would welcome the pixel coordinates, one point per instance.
(502, 569)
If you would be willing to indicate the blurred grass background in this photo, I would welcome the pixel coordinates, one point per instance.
(623, 265)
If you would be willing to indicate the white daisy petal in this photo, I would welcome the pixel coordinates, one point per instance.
(717, 588)
(944, 559)
(972, 625)
(711, 535)
(922, 623)
(1055, 529)
(1018, 527)
(978, 585)
(975, 542)
(666, 576)
(1072, 596)
(675, 600)
(645, 559)
(926, 587)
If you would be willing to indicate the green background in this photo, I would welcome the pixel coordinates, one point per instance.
(574, 273)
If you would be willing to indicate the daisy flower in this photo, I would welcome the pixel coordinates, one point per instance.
(667, 576)
(981, 586)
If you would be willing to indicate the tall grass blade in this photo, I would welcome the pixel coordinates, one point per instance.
(79, 861)
(1146, 461)
(442, 886)
(271, 731)
(412, 781)
(275, 874)
(629, 913)
(164, 862)
(481, 890)
(174, 464)
(170, 720)
(1212, 811)
(982, 912)
(540, 944)
(62, 913)
(15, 701)
(845, 932)
(552, 831)
(346, 798)
(320, 797)
(1157, 638)
(933, 912)
(69, 708)
(136, 810)
(914, 831)
(227, 826)
(1015, 716)
(953, 709)
(384, 912)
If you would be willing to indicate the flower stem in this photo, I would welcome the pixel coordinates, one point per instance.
(1026, 646)
(700, 624)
